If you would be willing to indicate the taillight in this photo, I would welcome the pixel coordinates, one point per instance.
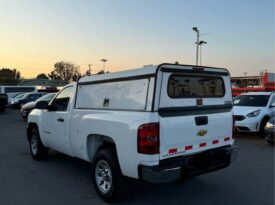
(233, 126)
(148, 138)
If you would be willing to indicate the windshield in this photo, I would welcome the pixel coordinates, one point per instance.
(19, 96)
(251, 100)
(25, 96)
(47, 97)
(13, 95)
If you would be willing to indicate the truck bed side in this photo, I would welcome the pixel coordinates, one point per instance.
(89, 127)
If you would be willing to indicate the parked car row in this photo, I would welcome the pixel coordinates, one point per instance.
(28, 97)
(24, 101)
(12, 99)
(28, 107)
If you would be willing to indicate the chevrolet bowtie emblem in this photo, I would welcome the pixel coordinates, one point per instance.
(202, 132)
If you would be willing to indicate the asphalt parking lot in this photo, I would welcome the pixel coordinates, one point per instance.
(65, 180)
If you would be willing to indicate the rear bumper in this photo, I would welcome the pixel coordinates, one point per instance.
(173, 169)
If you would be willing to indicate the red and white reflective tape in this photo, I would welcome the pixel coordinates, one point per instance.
(203, 144)
(172, 151)
(188, 147)
(226, 139)
(215, 141)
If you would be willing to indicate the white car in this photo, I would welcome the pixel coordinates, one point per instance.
(253, 110)
(14, 98)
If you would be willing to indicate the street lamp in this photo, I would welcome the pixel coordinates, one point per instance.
(198, 39)
(89, 72)
(200, 44)
(103, 63)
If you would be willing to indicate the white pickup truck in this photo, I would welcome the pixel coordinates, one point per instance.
(157, 124)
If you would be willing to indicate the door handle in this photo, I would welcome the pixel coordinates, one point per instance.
(201, 120)
(60, 119)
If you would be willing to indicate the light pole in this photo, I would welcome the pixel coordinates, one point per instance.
(245, 80)
(198, 39)
(103, 63)
(201, 43)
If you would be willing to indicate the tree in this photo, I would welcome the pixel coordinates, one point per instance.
(88, 72)
(65, 71)
(42, 76)
(76, 76)
(9, 76)
(102, 72)
(54, 76)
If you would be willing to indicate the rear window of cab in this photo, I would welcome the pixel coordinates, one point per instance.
(194, 86)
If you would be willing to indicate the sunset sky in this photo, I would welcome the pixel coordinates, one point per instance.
(35, 34)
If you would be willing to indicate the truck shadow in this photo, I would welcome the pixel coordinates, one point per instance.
(198, 190)
(208, 187)
(3, 112)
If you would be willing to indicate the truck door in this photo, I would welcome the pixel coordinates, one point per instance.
(56, 122)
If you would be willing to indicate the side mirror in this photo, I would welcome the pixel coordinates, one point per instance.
(42, 105)
(272, 105)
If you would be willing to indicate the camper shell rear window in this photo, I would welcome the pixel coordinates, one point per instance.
(195, 86)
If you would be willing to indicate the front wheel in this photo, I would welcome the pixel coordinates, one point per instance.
(107, 176)
(37, 149)
(270, 142)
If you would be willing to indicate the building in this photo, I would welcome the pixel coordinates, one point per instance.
(264, 82)
(43, 82)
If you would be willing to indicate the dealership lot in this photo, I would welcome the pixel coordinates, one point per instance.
(61, 179)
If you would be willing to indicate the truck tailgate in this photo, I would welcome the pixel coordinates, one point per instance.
(180, 135)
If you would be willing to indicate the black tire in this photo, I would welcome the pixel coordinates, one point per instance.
(37, 149)
(262, 126)
(270, 142)
(116, 179)
(180, 181)
(2, 107)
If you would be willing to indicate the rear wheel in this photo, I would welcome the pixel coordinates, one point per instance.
(37, 149)
(107, 176)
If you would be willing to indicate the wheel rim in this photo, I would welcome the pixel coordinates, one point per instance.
(34, 144)
(103, 176)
